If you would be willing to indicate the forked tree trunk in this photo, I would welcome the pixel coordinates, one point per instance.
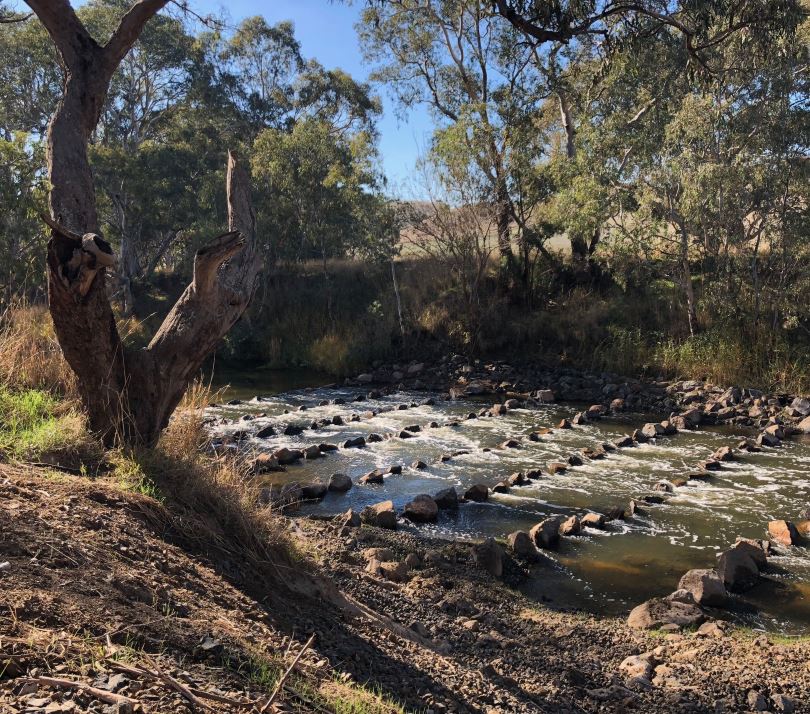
(129, 394)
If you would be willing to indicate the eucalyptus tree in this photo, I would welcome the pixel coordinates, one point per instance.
(129, 394)
(469, 67)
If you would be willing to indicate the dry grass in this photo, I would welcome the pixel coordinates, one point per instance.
(30, 356)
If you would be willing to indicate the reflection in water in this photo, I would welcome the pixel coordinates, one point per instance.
(606, 571)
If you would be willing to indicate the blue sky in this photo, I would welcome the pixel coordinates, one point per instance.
(326, 32)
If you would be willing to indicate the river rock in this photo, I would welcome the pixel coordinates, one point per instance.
(348, 520)
(624, 442)
(512, 404)
(546, 534)
(419, 465)
(447, 499)
(638, 666)
(489, 556)
(266, 462)
(544, 395)
(394, 570)
(312, 452)
(266, 432)
(354, 443)
(783, 704)
(724, 453)
(422, 509)
(381, 515)
(521, 544)
(500, 487)
(313, 491)
(340, 483)
(651, 430)
(804, 425)
(510, 444)
(516, 479)
(593, 520)
(564, 424)
(555, 467)
(477, 492)
(757, 549)
(286, 456)
(737, 569)
(706, 586)
(375, 477)
(656, 613)
(766, 439)
(783, 532)
(801, 405)
(499, 410)
(570, 527)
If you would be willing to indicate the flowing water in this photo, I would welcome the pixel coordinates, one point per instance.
(606, 571)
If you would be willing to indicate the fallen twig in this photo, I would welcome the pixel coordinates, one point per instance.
(179, 687)
(201, 693)
(123, 703)
(286, 674)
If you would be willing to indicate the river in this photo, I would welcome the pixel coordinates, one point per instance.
(606, 571)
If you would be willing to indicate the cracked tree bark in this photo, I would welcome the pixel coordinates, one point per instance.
(129, 394)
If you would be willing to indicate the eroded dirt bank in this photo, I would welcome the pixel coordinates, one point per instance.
(101, 588)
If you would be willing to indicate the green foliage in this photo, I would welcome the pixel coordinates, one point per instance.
(35, 425)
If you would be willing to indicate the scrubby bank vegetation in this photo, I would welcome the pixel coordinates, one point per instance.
(634, 203)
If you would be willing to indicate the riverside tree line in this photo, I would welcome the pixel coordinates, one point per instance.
(618, 184)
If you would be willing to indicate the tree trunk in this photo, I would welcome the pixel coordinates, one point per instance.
(129, 394)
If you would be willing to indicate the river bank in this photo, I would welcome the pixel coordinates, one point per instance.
(444, 638)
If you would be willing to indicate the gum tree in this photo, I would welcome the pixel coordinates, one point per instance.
(129, 394)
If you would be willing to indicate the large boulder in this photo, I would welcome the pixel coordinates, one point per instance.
(706, 587)
(339, 483)
(757, 549)
(478, 492)
(381, 515)
(422, 509)
(286, 456)
(783, 532)
(521, 544)
(313, 491)
(737, 569)
(658, 612)
(447, 499)
(804, 425)
(546, 534)
(489, 556)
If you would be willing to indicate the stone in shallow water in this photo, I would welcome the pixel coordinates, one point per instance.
(447, 499)
(422, 509)
(478, 492)
(339, 483)
(706, 587)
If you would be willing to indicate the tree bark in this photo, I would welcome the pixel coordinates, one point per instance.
(129, 394)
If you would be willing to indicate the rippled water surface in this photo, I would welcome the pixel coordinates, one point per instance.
(606, 571)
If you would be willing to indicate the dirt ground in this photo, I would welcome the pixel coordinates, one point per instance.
(99, 587)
